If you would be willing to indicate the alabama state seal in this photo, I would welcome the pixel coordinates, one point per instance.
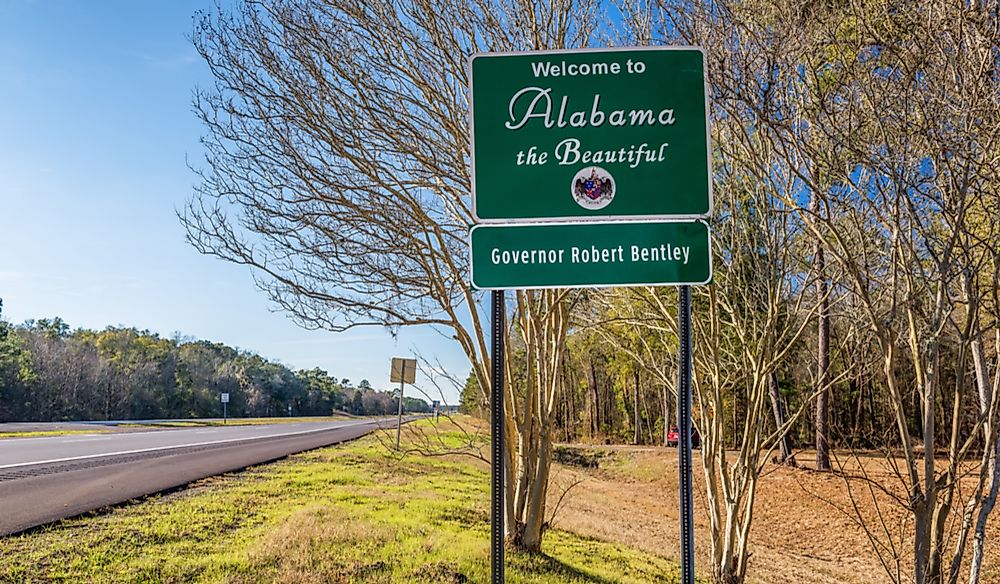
(593, 188)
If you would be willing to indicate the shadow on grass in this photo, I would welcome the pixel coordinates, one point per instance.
(545, 565)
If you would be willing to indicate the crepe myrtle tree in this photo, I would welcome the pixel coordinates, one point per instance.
(745, 325)
(920, 197)
(337, 168)
(887, 116)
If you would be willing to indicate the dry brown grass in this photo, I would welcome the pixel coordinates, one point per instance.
(805, 526)
(321, 543)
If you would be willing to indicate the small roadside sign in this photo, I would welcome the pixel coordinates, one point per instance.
(224, 397)
(403, 370)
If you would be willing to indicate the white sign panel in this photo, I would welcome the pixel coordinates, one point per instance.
(404, 370)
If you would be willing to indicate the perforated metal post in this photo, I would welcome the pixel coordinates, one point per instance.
(684, 432)
(399, 416)
(496, 434)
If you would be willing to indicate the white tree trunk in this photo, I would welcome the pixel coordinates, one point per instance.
(991, 454)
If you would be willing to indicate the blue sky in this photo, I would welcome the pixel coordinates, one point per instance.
(95, 133)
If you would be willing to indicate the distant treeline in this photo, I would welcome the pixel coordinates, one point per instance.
(51, 373)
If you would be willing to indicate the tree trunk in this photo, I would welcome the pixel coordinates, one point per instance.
(666, 413)
(857, 389)
(574, 408)
(921, 540)
(935, 563)
(736, 421)
(650, 433)
(595, 419)
(989, 502)
(823, 363)
(543, 322)
(638, 421)
(534, 517)
(778, 408)
(991, 453)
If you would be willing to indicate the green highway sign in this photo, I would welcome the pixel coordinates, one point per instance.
(591, 254)
(590, 135)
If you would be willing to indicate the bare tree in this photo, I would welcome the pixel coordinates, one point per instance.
(785, 454)
(889, 118)
(745, 325)
(337, 169)
(822, 354)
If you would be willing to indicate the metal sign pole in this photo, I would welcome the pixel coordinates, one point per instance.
(496, 435)
(684, 432)
(399, 416)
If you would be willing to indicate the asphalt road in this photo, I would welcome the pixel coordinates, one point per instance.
(50, 478)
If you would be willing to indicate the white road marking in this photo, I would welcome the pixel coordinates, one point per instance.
(175, 446)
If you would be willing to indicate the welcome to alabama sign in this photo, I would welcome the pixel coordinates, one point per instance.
(590, 135)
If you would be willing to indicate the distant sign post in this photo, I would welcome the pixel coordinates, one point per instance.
(590, 168)
(404, 371)
(224, 398)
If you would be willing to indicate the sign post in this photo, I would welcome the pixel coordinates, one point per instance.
(593, 169)
(684, 433)
(499, 311)
(224, 397)
(403, 371)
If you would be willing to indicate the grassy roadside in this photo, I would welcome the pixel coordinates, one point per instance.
(235, 422)
(99, 429)
(341, 514)
(44, 433)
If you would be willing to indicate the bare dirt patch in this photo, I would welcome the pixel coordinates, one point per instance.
(805, 524)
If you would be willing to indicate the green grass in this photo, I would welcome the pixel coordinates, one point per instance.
(233, 422)
(174, 424)
(342, 514)
(43, 433)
